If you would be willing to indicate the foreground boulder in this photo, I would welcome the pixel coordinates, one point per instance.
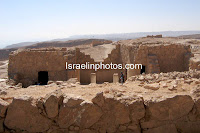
(22, 115)
(118, 112)
(3, 107)
(107, 112)
(167, 114)
(171, 108)
(76, 112)
(52, 103)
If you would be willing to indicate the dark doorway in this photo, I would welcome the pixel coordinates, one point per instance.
(43, 77)
(142, 70)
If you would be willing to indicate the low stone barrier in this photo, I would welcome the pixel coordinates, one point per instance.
(106, 112)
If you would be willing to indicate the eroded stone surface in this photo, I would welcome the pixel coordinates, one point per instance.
(171, 108)
(52, 103)
(3, 107)
(22, 114)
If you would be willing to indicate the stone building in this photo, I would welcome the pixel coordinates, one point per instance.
(41, 65)
(156, 36)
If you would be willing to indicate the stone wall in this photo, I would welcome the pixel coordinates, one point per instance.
(24, 66)
(162, 58)
(107, 75)
(97, 42)
(154, 36)
(107, 112)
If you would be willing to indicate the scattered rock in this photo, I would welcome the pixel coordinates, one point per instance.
(154, 86)
(172, 88)
(50, 82)
(188, 81)
(73, 81)
(59, 82)
(3, 92)
(19, 85)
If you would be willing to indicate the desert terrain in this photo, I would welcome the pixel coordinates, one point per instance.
(147, 103)
(166, 102)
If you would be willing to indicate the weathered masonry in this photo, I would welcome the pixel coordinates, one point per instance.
(33, 66)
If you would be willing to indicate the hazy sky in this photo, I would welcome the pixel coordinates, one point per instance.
(36, 20)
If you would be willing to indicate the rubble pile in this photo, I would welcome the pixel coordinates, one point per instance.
(155, 78)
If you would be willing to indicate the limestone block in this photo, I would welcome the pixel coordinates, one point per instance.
(154, 86)
(3, 107)
(93, 78)
(115, 78)
(171, 108)
(22, 114)
(52, 102)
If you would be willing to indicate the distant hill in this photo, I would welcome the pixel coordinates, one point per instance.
(194, 36)
(113, 37)
(69, 43)
(18, 45)
(86, 39)
(125, 36)
(4, 53)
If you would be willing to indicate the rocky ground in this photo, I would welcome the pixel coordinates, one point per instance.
(166, 102)
(151, 103)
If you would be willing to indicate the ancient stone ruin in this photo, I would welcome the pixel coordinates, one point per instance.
(154, 36)
(27, 66)
(163, 97)
(152, 103)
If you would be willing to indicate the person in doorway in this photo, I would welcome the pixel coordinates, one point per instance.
(122, 78)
